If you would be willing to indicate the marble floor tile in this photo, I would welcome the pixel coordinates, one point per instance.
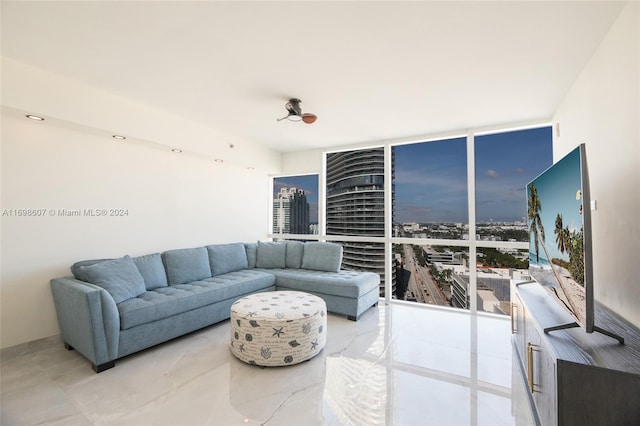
(400, 364)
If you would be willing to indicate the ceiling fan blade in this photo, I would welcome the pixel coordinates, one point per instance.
(309, 118)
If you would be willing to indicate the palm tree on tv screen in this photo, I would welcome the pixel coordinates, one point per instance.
(533, 212)
(534, 206)
(563, 235)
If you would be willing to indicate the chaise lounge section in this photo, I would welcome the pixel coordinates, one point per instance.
(111, 308)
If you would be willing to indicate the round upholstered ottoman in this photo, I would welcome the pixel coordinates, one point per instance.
(278, 327)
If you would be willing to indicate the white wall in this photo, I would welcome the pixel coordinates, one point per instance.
(173, 201)
(602, 110)
(302, 162)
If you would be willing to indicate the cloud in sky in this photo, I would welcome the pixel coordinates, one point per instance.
(492, 173)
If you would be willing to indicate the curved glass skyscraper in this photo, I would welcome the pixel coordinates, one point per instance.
(355, 206)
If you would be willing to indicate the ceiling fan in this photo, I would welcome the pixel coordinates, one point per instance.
(295, 112)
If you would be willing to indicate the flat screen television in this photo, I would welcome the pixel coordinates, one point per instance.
(559, 219)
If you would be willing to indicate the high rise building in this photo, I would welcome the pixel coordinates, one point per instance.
(355, 206)
(291, 212)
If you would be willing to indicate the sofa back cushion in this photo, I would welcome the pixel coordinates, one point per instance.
(294, 252)
(119, 277)
(271, 255)
(252, 254)
(186, 265)
(322, 256)
(76, 266)
(225, 258)
(152, 270)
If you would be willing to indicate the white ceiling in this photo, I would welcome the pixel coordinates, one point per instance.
(371, 71)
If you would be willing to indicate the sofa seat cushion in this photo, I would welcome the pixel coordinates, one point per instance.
(165, 302)
(342, 283)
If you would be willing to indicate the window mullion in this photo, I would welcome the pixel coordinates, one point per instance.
(471, 198)
(388, 222)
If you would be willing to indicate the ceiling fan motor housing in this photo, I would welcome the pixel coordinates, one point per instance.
(294, 106)
(295, 112)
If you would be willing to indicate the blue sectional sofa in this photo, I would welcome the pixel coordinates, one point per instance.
(111, 308)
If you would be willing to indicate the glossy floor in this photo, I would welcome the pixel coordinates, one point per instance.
(398, 365)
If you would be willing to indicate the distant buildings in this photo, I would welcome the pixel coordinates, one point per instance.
(291, 212)
(447, 257)
(493, 288)
(411, 227)
(494, 231)
(493, 282)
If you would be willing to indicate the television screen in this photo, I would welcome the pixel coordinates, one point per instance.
(559, 219)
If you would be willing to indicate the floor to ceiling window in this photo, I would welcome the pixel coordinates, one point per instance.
(431, 203)
(443, 221)
(504, 163)
(462, 202)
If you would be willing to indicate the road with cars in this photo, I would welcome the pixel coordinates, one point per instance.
(421, 285)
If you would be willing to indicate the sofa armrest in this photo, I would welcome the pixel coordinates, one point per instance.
(88, 318)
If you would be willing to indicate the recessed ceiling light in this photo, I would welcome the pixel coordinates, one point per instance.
(119, 137)
(34, 117)
(218, 160)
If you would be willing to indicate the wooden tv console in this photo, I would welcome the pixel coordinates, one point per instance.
(574, 377)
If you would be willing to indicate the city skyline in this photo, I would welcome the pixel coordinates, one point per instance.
(307, 183)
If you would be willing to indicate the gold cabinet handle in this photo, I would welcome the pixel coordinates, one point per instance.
(530, 366)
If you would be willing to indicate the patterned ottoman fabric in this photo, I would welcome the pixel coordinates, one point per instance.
(278, 327)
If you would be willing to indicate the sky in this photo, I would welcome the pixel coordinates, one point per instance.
(431, 177)
(505, 164)
(431, 181)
